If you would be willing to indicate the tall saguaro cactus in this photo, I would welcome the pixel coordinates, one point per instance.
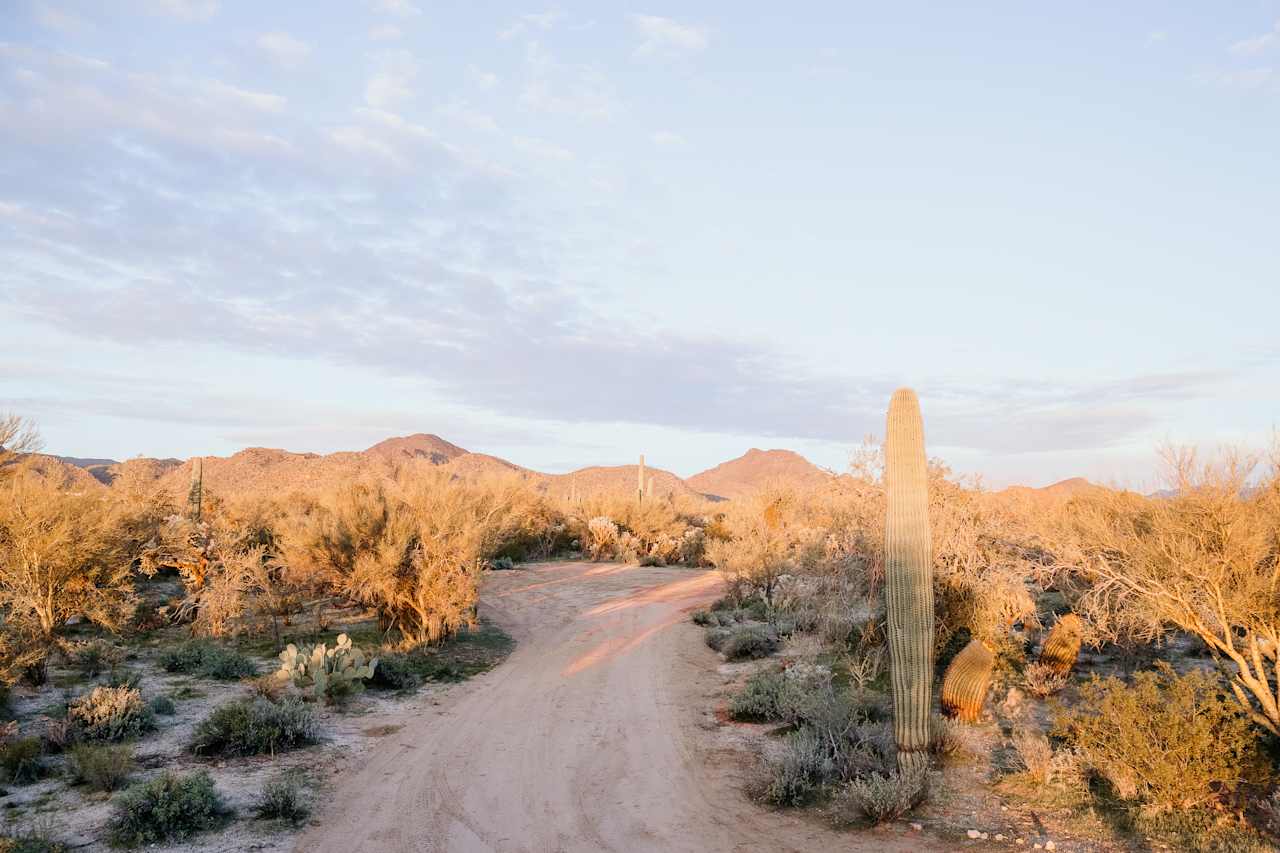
(908, 575)
(195, 496)
(640, 481)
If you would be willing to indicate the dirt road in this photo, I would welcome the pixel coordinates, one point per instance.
(586, 739)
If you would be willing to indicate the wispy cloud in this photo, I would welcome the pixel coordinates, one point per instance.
(397, 8)
(660, 35)
(532, 21)
(542, 148)
(1257, 44)
(392, 81)
(190, 10)
(54, 18)
(667, 139)
(576, 91)
(283, 49)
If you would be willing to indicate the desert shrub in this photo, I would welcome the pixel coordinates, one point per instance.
(1035, 754)
(101, 767)
(60, 556)
(92, 657)
(766, 543)
(167, 808)
(282, 799)
(34, 839)
(603, 539)
(758, 699)
(880, 798)
(207, 659)
(499, 564)
(125, 678)
(20, 760)
(110, 714)
(798, 774)
(395, 672)
(255, 726)
(702, 618)
(413, 551)
(1166, 741)
(716, 637)
(747, 642)
(948, 737)
(1042, 680)
(162, 706)
(1203, 560)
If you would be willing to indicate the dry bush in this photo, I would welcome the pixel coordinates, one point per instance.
(1035, 754)
(1042, 680)
(603, 537)
(61, 556)
(660, 531)
(412, 551)
(768, 540)
(880, 798)
(18, 438)
(110, 714)
(1166, 741)
(1206, 561)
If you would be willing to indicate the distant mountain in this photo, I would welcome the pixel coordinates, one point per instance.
(617, 479)
(756, 468)
(64, 474)
(82, 462)
(1060, 490)
(420, 445)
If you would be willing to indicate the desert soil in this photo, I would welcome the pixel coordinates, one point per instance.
(595, 735)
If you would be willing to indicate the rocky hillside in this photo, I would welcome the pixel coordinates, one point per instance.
(756, 468)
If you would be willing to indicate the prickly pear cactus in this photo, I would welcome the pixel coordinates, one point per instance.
(908, 579)
(1062, 646)
(326, 672)
(964, 687)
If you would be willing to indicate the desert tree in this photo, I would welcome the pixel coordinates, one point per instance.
(1205, 560)
(18, 439)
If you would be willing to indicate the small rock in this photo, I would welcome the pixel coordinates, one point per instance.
(916, 827)
(999, 837)
(1019, 841)
(1049, 845)
(984, 836)
(1038, 846)
(1012, 701)
(1004, 808)
(973, 833)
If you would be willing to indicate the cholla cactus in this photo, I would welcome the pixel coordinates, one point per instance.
(1062, 646)
(326, 671)
(908, 579)
(964, 687)
(604, 536)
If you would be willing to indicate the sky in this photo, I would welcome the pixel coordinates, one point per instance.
(567, 235)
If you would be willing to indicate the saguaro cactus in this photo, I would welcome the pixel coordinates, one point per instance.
(640, 481)
(195, 495)
(908, 574)
(1062, 646)
(964, 687)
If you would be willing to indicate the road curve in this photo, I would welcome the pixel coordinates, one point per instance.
(585, 739)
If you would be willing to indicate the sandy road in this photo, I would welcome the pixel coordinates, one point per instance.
(585, 739)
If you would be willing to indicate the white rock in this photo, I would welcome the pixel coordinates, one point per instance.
(916, 827)
(1038, 846)
(1049, 845)
(999, 837)
(973, 833)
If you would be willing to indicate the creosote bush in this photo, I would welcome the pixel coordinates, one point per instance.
(256, 726)
(110, 714)
(746, 642)
(208, 659)
(1165, 741)
(166, 809)
(101, 767)
(1042, 680)
(20, 760)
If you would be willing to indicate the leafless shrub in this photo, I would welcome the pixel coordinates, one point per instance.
(1042, 681)
(880, 798)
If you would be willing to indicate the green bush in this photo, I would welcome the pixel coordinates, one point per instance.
(207, 659)
(33, 840)
(798, 774)
(110, 714)
(879, 797)
(701, 618)
(395, 672)
(20, 760)
(758, 700)
(102, 768)
(282, 799)
(168, 808)
(92, 657)
(747, 642)
(1166, 741)
(255, 726)
(163, 706)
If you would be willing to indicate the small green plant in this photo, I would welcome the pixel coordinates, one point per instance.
(163, 706)
(101, 767)
(326, 672)
(502, 564)
(282, 799)
(256, 726)
(110, 714)
(747, 642)
(92, 657)
(168, 808)
(758, 701)
(37, 838)
(879, 798)
(799, 773)
(1165, 741)
(20, 760)
(395, 672)
(209, 660)
(701, 618)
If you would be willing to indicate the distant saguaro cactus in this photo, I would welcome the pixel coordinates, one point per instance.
(908, 579)
(195, 495)
(964, 687)
(1062, 646)
(640, 480)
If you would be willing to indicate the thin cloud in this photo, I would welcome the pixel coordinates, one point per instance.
(188, 10)
(667, 139)
(397, 8)
(392, 82)
(665, 35)
(531, 21)
(283, 49)
(1257, 44)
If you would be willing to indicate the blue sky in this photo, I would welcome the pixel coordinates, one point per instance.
(570, 234)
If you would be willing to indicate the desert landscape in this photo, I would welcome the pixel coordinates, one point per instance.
(591, 427)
